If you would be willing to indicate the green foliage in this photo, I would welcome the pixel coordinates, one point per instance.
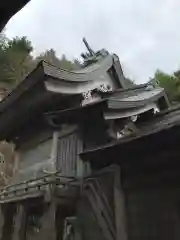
(129, 83)
(171, 84)
(66, 64)
(50, 57)
(77, 64)
(16, 60)
(19, 45)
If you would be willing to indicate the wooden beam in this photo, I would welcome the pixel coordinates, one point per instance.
(98, 208)
(20, 218)
(119, 204)
(2, 221)
(125, 149)
(48, 229)
(60, 226)
(99, 204)
(7, 228)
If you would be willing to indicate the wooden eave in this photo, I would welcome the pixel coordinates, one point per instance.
(101, 108)
(133, 99)
(76, 114)
(77, 82)
(160, 133)
(30, 98)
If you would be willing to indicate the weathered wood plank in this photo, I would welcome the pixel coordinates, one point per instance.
(103, 207)
(19, 232)
(100, 219)
(121, 233)
(2, 221)
(7, 230)
(48, 223)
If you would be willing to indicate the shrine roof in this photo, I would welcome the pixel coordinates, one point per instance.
(49, 88)
(134, 98)
(61, 81)
(89, 73)
(120, 104)
(48, 85)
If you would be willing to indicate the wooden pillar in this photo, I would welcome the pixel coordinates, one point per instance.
(119, 204)
(2, 221)
(19, 232)
(54, 151)
(60, 226)
(48, 222)
(7, 228)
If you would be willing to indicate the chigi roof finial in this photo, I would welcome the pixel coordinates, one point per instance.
(92, 53)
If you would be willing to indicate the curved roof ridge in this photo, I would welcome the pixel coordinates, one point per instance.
(77, 76)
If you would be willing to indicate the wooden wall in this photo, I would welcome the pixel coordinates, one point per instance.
(69, 145)
(34, 161)
(101, 206)
(153, 214)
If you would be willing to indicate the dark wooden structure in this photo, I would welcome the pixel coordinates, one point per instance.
(8, 9)
(98, 160)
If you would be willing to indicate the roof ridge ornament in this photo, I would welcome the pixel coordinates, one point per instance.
(104, 88)
(88, 96)
(91, 52)
(91, 56)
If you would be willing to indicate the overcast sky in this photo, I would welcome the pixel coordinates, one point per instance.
(144, 33)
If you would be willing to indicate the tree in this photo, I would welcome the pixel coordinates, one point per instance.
(66, 64)
(15, 60)
(129, 83)
(3, 38)
(50, 57)
(77, 64)
(171, 84)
